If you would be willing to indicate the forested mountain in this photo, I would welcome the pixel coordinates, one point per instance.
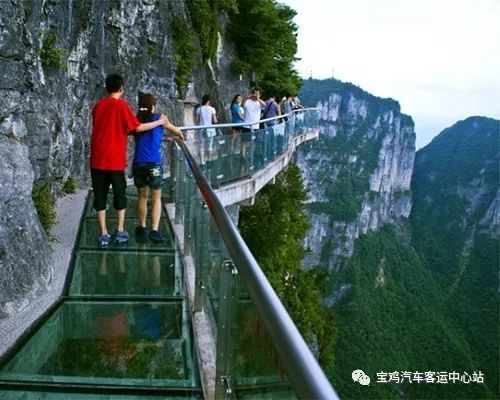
(455, 224)
(414, 266)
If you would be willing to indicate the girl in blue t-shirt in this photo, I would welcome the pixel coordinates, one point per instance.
(148, 168)
(237, 114)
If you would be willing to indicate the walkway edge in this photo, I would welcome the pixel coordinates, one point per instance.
(244, 189)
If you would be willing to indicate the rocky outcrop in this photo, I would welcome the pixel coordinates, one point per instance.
(359, 174)
(24, 270)
(491, 220)
(48, 88)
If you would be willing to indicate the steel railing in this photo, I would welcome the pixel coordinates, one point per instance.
(304, 373)
(245, 124)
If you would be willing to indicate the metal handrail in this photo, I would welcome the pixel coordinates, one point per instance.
(305, 375)
(243, 124)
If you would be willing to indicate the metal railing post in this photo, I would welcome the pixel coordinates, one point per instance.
(180, 181)
(227, 299)
(188, 217)
(251, 151)
(201, 255)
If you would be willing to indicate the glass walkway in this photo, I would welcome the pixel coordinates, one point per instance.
(123, 328)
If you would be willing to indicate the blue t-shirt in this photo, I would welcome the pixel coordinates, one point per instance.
(148, 143)
(235, 113)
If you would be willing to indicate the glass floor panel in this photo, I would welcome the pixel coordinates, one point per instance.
(266, 394)
(116, 273)
(109, 343)
(90, 232)
(47, 395)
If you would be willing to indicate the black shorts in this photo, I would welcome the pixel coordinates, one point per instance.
(246, 135)
(148, 174)
(101, 179)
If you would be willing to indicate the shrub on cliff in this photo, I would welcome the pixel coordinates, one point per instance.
(50, 54)
(204, 16)
(69, 186)
(184, 53)
(45, 205)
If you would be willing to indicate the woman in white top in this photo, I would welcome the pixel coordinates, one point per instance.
(205, 115)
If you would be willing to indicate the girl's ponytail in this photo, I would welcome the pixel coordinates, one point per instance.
(146, 103)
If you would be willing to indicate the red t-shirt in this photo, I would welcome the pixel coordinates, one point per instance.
(112, 120)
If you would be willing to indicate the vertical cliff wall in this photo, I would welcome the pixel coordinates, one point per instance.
(54, 56)
(359, 173)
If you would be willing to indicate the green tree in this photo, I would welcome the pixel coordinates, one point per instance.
(265, 38)
(274, 228)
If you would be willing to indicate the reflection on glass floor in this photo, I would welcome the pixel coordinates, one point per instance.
(121, 330)
(98, 273)
(51, 395)
(126, 343)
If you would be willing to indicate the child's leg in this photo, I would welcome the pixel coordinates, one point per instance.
(101, 221)
(155, 208)
(142, 205)
(119, 197)
(100, 186)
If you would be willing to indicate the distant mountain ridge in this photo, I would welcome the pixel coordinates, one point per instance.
(415, 287)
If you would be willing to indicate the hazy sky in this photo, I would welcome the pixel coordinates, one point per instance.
(439, 58)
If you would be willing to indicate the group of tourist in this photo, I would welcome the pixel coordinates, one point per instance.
(113, 120)
(249, 112)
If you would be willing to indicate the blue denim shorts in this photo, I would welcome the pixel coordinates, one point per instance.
(148, 174)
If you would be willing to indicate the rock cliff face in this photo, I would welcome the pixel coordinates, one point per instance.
(54, 56)
(359, 173)
(19, 228)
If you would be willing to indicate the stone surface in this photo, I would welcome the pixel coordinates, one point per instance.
(24, 308)
(24, 270)
(373, 127)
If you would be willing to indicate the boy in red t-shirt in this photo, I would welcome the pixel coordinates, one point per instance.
(112, 121)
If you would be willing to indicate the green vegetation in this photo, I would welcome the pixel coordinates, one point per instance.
(264, 36)
(69, 186)
(429, 305)
(152, 49)
(346, 192)
(455, 180)
(184, 54)
(45, 203)
(397, 323)
(205, 18)
(274, 228)
(262, 31)
(443, 187)
(52, 56)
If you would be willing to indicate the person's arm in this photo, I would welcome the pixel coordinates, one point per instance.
(146, 126)
(214, 117)
(261, 102)
(173, 129)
